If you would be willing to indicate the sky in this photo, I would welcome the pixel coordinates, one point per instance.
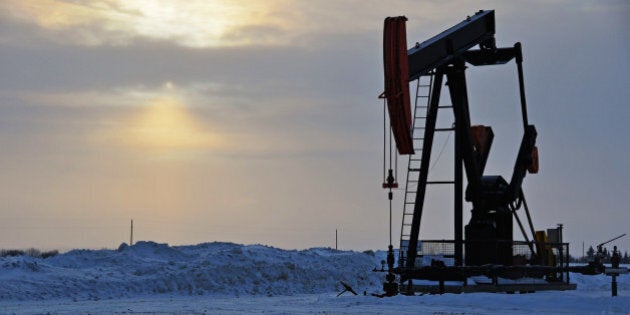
(259, 122)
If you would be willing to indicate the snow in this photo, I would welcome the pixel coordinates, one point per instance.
(228, 278)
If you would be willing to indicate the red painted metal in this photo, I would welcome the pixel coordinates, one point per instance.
(388, 186)
(397, 82)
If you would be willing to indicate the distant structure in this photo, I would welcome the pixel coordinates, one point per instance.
(131, 234)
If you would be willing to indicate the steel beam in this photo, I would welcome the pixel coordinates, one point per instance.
(444, 47)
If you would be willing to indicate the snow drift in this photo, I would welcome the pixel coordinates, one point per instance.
(149, 268)
(227, 278)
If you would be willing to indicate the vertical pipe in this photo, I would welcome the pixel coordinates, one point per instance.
(458, 190)
(336, 240)
(131, 234)
(567, 267)
(457, 87)
(563, 253)
(390, 217)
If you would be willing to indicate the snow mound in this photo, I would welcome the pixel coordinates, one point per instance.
(149, 268)
(221, 270)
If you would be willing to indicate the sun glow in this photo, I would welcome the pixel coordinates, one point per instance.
(167, 124)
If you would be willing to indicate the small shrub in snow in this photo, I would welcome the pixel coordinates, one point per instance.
(50, 253)
(31, 252)
(11, 252)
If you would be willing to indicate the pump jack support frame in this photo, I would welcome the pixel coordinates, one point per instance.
(494, 200)
(446, 56)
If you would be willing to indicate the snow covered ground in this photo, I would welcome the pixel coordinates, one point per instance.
(225, 278)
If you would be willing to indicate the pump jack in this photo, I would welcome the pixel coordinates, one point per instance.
(489, 247)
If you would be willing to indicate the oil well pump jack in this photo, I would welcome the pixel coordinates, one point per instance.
(485, 247)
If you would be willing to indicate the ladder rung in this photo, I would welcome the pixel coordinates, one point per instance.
(441, 182)
(444, 129)
(418, 138)
(414, 170)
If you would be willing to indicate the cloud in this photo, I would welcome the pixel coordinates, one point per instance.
(234, 23)
(119, 22)
(200, 23)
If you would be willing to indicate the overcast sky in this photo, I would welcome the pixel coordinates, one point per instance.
(258, 121)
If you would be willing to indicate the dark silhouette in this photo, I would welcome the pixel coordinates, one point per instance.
(615, 259)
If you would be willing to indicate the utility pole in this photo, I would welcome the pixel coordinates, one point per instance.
(131, 234)
(336, 239)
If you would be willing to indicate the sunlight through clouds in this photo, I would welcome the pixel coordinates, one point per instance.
(166, 123)
(118, 22)
(160, 124)
(205, 23)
